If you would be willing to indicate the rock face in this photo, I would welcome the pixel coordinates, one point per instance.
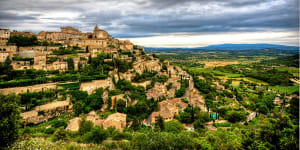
(117, 120)
(44, 112)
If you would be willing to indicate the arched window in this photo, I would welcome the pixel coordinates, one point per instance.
(0, 49)
(4, 49)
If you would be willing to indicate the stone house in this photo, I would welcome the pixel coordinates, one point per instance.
(159, 90)
(167, 110)
(58, 65)
(19, 65)
(117, 120)
(4, 36)
(3, 56)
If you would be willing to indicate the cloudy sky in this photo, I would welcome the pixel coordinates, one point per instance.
(163, 23)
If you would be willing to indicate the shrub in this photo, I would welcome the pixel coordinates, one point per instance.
(184, 100)
(85, 126)
(60, 134)
(96, 135)
(224, 124)
(169, 86)
(173, 126)
(59, 123)
(121, 135)
(50, 130)
(235, 116)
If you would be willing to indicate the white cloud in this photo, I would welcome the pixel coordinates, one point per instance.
(197, 40)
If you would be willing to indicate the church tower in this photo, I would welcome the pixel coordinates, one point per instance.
(99, 34)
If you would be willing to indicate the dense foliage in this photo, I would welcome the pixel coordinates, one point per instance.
(21, 40)
(9, 120)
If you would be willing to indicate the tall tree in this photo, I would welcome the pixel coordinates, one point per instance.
(160, 123)
(9, 119)
(70, 63)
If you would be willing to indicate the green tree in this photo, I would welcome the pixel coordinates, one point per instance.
(235, 116)
(70, 62)
(78, 108)
(60, 134)
(121, 106)
(96, 135)
(173, 126)
(10, 119)
(85, 126)
(160, 123)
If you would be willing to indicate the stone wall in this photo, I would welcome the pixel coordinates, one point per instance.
(44, 112)
(34, 88)
(90, 87)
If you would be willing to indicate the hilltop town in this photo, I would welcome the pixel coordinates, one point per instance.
(71, 50)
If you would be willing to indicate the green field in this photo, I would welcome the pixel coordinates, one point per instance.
(286, 89)
(215, 72)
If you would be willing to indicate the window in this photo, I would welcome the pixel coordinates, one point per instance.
(4, 49)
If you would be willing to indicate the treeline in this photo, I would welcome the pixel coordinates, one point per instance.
(20, 40)
(290, 61)
(27, 74)
(42, 80)
(30, 100)
(272, 76)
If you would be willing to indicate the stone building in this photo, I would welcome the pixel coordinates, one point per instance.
(126, 45)
(100, 34)
(117, 120)
(167, 110)
(27, 34)
(40, 60)
(58, 65)
(4, 36)
(3, 56)
(20, 65)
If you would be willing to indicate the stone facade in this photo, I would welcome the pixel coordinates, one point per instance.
(20, 65)
(21, 34)
(58, 65)
(100, 34)
(167, 110)
(3, 56)
(117, 120)
(4, 36)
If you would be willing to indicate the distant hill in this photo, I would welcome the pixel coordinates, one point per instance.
(233, 47)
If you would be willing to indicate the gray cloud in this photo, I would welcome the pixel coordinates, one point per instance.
(141, 18)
